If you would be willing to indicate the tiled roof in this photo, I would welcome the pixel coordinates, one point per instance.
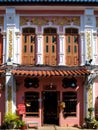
(48, 1)
(50, 71)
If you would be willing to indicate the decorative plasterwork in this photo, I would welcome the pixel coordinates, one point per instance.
(56, 20)
(90, 96)
(10, 40)
(9, 98)
(1, 21)
(89, 50)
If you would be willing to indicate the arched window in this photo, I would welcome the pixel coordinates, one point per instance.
(72, 47)
(28, 46)
(50, 46)
(70, 100)
(32, 103)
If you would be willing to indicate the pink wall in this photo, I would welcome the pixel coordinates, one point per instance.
(69, 121)
(2, 105)
(96, 96)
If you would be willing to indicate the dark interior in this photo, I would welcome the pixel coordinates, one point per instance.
(50, 104)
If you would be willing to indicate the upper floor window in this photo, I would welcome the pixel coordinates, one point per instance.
(28, 46)
(50, 46)
(72, 47)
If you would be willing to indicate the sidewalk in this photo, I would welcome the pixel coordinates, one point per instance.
(53, 127)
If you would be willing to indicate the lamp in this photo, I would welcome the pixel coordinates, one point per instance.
(88, 62)
(51, 85)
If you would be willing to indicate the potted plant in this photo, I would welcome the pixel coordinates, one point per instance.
(90, 121)
(23, 125)
(9, 121)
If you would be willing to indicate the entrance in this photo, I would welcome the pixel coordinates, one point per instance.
(50, 107)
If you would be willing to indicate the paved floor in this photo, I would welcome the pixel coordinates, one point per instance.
(57, 128)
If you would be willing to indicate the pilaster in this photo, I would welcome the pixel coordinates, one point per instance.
(4, 47)
(89, 39)
(39, 49)
(82, 47)
(10, 29)
(61, 49)
(10, 93)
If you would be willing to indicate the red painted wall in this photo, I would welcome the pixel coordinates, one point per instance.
(69, 121)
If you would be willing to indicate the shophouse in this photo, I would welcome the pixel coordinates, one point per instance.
(49, 58)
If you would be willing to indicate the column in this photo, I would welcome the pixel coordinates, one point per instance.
(39, 49)
(82, 49)
(61, 50)
(17, 47)
(10, 93)
(89, 27)
(4, 47)
(94, 46)
(10, 29)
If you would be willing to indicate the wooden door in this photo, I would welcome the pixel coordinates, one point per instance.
(28, 47)
(72, 49)
(50, 48)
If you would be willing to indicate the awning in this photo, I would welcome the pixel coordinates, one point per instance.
(50, 71)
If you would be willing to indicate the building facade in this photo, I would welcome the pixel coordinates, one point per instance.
(49, 57)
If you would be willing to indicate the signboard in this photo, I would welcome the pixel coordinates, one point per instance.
(21, 109)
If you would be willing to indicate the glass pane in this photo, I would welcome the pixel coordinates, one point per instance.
(25, 39)
(46, 39)
(68, 49)
(32, 39)
(68, 39)
(46, 48)
(75, 39)
(31, 48)
(53, 39)
(53, 49)
(25, 49)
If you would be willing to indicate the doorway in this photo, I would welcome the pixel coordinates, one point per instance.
(50, 107)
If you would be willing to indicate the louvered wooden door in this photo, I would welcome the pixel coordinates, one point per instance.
(50, 49)
(72, 49)
(28, 48)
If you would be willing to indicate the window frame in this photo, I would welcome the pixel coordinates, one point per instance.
(70, 109)
(28, 102)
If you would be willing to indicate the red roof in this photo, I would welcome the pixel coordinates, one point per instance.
(52, 71)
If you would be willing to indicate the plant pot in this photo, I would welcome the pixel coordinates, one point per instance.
(90, 125)
(23, 127)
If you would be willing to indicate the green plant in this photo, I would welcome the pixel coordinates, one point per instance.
(10, 121)
(90, 120)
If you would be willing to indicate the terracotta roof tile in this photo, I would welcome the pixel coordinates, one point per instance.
(50, 71)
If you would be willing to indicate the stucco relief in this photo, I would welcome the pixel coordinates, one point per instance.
(9, 98)
(55, 20)
(90, 98)
(89, 50)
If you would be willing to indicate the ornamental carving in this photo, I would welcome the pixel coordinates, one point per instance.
(55, 20)
(89, 50)
(10, 43)
(9, 98)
